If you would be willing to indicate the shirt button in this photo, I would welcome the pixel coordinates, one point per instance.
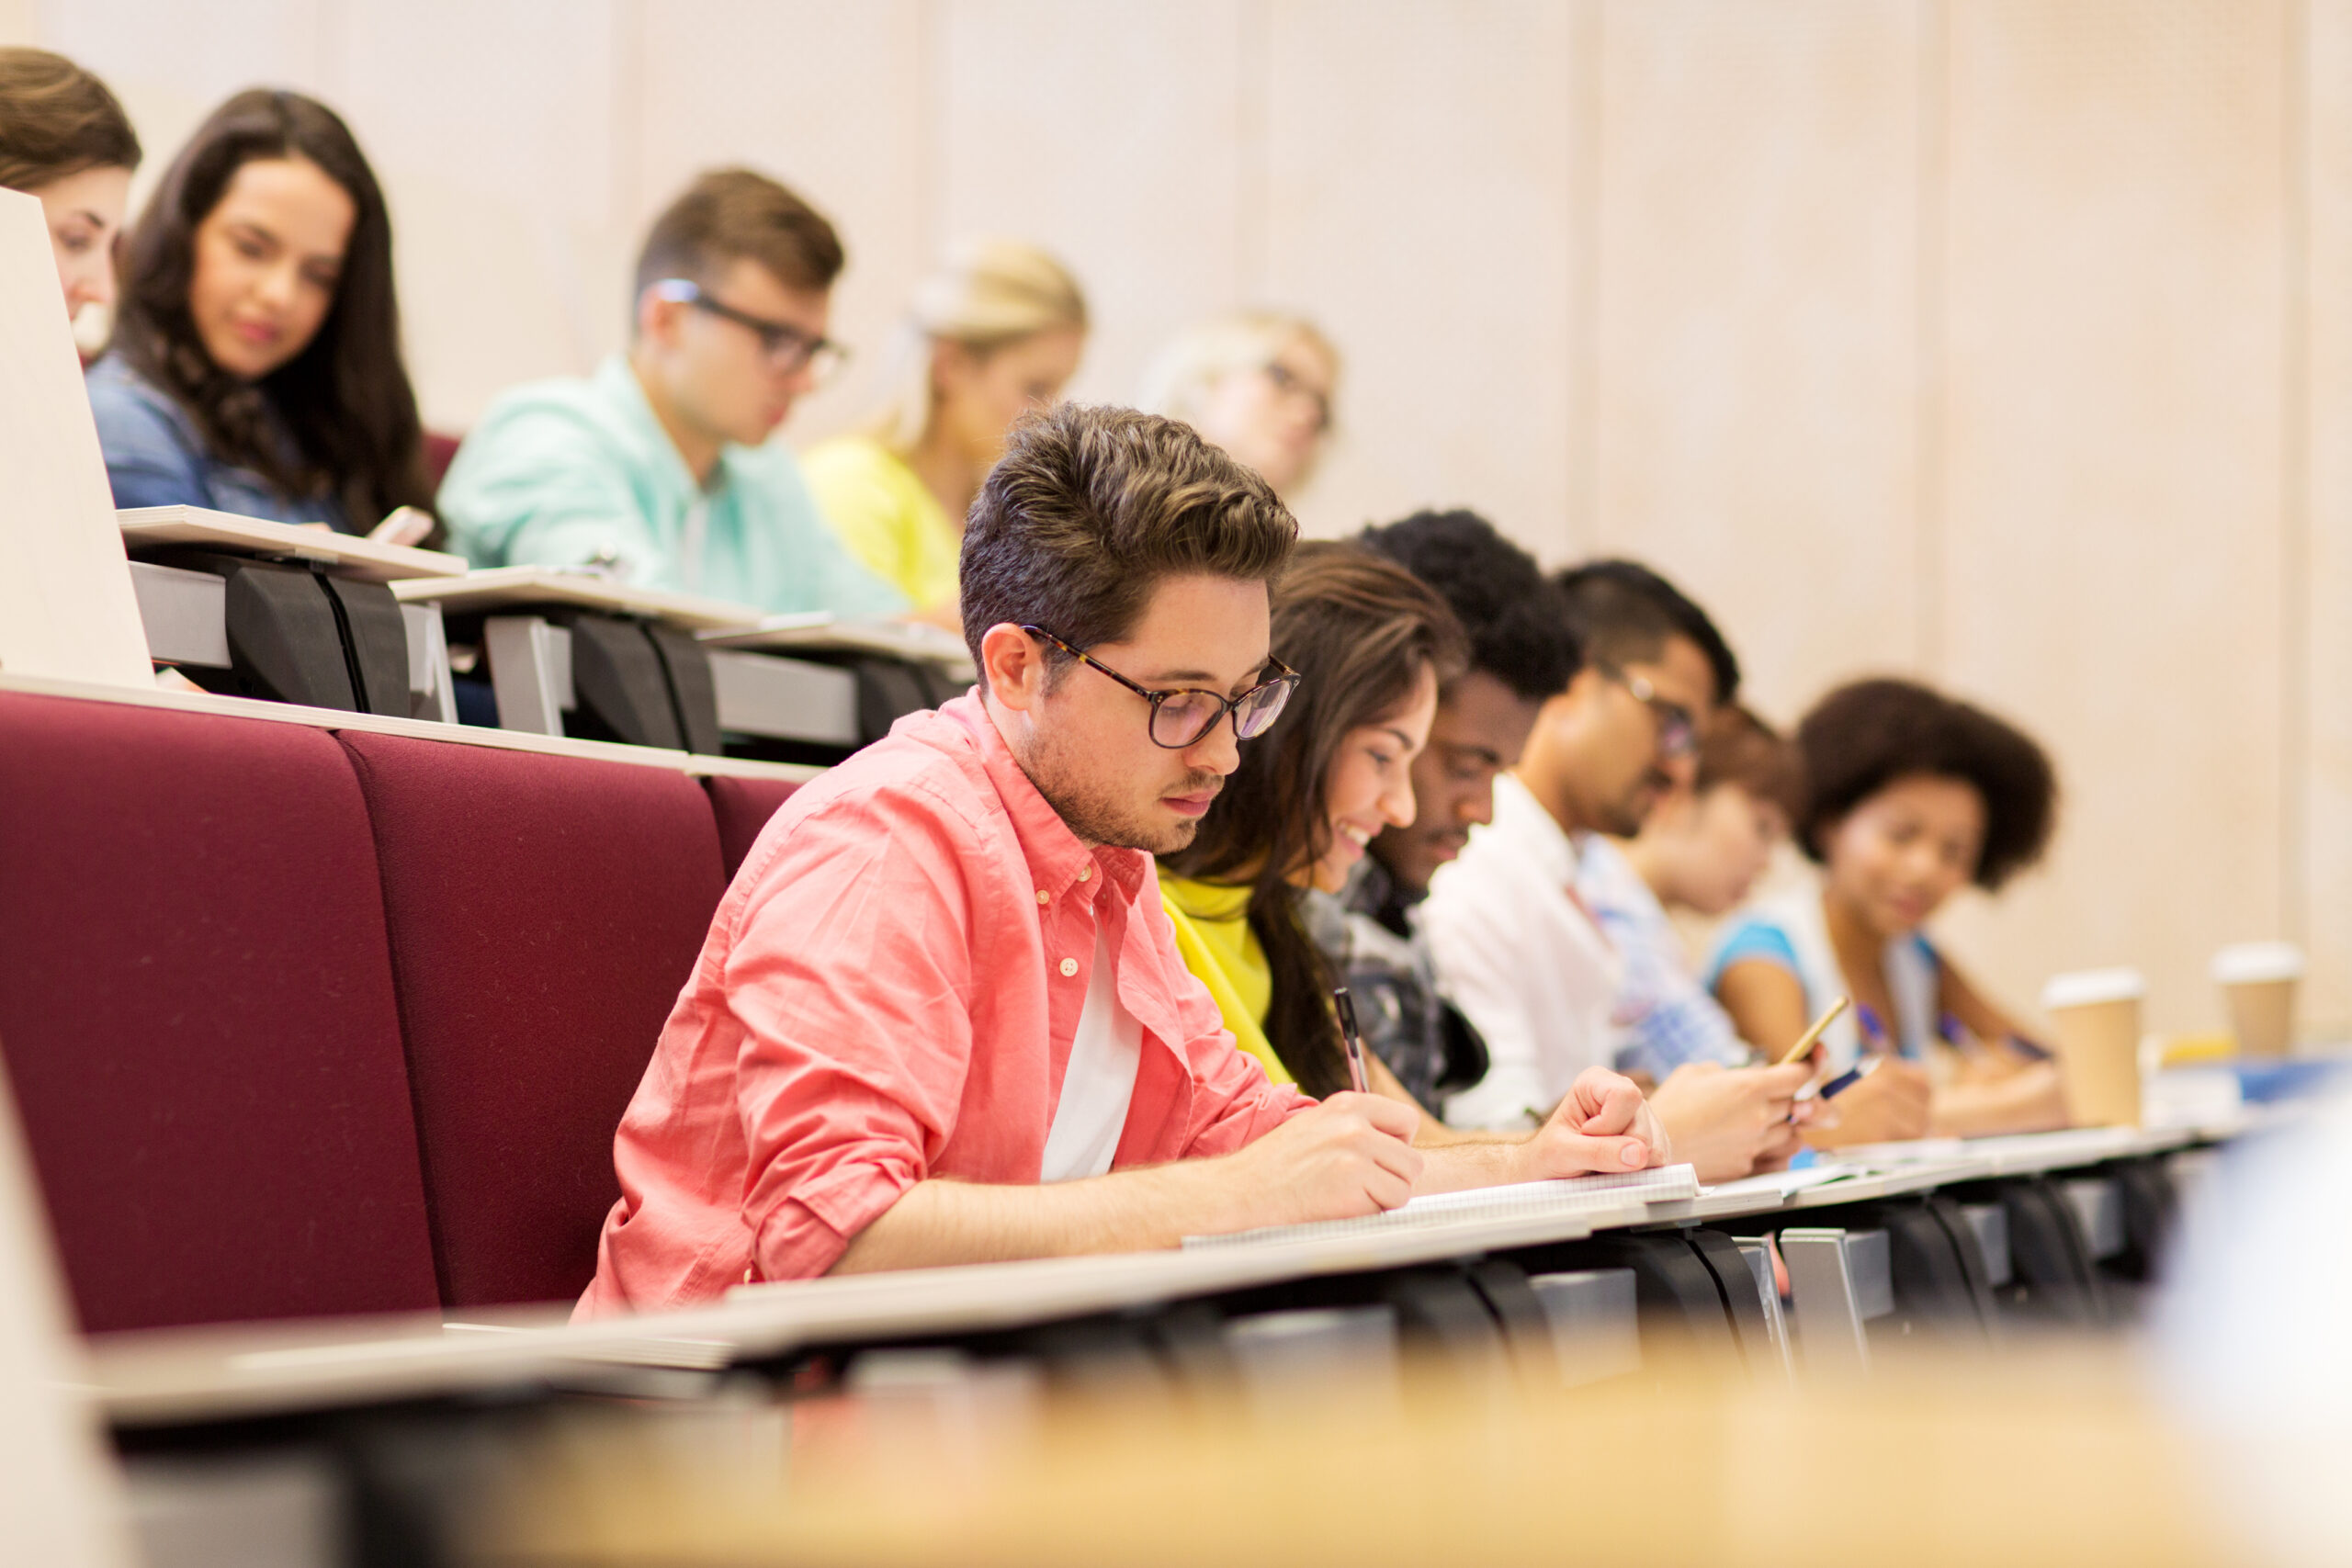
(1044, 897)
(1070, 967)
(1086, 872)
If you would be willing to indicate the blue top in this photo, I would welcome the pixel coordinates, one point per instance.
(1790, 933)
(570, 472)
(1666, 1019)
(156, 457)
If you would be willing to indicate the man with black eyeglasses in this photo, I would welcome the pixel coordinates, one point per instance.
(1518, 949)
(941, 1017)
(659, 465)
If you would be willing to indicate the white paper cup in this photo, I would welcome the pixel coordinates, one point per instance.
(2096, 1013)
(2258, 981)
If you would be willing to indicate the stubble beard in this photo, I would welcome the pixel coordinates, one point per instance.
(1099, 815)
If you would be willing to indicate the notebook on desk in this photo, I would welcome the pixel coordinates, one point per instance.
(1574, 1195)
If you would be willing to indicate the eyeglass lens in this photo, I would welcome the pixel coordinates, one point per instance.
(1184, 718)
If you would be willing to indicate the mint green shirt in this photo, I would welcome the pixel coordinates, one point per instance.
(566, 472)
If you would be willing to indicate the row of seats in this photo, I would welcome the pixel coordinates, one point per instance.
(305, 1022)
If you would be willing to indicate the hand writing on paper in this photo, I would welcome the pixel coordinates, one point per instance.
(1351, 1155)
(1604, 1124)
(1729, 1123)
(1890, 1104)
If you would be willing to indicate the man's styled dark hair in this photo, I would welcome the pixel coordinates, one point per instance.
(1622, 611)
(1091, 507)
(346, 400)
(739, 214)
(1738, 748)
(1865, 736)
(1517, 622)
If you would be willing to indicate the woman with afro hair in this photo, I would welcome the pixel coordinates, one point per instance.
(1911, 795)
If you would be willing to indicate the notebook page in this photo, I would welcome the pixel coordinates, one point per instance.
(1438, 1210)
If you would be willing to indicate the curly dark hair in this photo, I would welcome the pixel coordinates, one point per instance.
(1866, 735)
(1516, 623)
(1622, 611)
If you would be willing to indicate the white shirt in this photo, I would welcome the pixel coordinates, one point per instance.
(1097, 1081)
(1523, 961)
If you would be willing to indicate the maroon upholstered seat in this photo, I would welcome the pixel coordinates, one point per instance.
(544, 912)
(742, 807)
(197, 1014)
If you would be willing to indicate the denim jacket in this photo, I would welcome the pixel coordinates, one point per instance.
(156, 457)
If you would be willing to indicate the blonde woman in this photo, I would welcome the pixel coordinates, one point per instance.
(995, 333)
(1259, 384)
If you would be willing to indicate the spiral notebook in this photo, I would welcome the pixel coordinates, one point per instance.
(1574, 1195)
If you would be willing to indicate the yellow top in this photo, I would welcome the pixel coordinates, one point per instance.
(886, 517)
(1213, 935)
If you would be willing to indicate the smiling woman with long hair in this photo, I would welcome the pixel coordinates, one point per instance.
(256, 368)
(1372, 644)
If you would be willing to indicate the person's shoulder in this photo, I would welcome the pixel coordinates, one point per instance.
(121, 396)
(558, 404)
(850, 459)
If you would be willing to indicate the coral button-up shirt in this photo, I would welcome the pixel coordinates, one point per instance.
(888, 993)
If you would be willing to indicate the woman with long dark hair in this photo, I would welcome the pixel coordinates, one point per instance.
(1372, 643)
(257, 366)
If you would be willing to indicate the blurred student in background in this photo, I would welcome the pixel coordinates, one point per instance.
(1373, 646)
(995, 333)
(65, 139)
(1911, 795)
(1518, 949)
(255, 366)
(1259, 384)
(1700, 848)
(1520, 653)
(659, 465)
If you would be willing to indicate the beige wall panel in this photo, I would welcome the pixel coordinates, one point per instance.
(1107, 134)
(495, 127)
(2326, 882)
(834, 100)
(1420, 157)
(2114, 439)
(1758, 379)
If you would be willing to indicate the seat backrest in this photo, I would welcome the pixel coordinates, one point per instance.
(197, 1014)
(741, 807)
(545, 912)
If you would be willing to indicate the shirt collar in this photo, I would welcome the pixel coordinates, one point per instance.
(1058, 859)
(1521, 823)
(615, 381)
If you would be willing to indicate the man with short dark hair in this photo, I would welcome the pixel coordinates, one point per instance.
(939, 1017)
(660, 464)
(1515, 945)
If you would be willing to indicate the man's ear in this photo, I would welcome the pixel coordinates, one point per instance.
(1013, 665)
(657, 318)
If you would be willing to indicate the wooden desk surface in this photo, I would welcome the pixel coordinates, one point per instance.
(174, 1376)
(515, 586)
(348, 555)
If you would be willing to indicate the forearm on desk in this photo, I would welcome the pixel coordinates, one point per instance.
(937, 1223)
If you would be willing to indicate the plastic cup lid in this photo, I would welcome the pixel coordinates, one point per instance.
(2246, 962)
(2087, 987)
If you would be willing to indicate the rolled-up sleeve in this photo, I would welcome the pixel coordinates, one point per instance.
(851, 975)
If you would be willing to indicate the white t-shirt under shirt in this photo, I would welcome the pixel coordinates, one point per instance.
(1099, 1080)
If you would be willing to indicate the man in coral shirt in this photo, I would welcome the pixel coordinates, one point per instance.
(939, 1017)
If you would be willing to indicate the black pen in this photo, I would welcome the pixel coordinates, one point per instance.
(1347, 1007)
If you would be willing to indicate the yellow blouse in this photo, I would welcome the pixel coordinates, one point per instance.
(1214, 937)
(886, 516)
